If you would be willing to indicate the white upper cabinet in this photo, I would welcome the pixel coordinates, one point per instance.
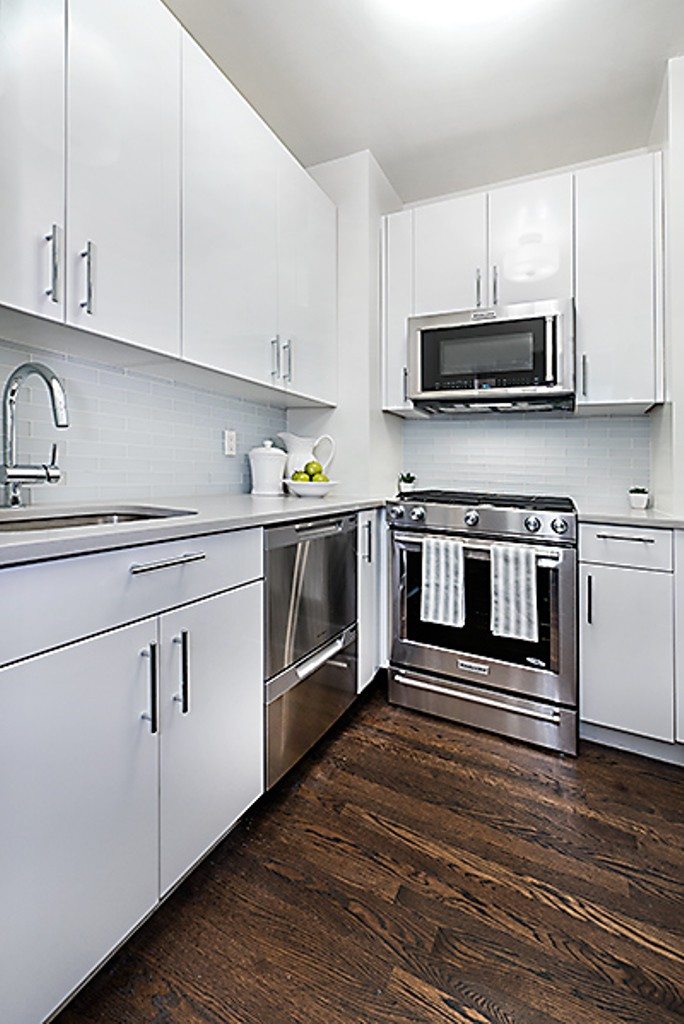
(32, 156)
(230, 263)
(531, 241)
(307, 283)
(450, 254)
(123, 182)
(619, 282)
(397, 307)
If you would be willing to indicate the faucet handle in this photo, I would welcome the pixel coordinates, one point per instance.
(53, 473)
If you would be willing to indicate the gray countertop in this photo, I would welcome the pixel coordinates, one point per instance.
(213, 515)
(632, 517)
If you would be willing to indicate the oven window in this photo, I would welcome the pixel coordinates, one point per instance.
(484, 355)
(476, 637)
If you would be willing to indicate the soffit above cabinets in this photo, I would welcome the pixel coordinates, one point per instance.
(446, 94)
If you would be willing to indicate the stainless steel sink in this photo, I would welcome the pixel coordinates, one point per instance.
(13, 520)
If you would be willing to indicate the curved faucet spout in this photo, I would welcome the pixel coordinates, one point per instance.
(33, 474)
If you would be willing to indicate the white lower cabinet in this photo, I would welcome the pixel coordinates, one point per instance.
(211, 723)
(368, 597)
(123, 757)
(79, 814)
(626, 650)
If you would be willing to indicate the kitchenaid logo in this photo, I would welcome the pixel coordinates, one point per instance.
(473, 666)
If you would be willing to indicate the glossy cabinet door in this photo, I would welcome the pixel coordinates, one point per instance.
(123, 182)
(450, 255)
(618, 282)
(230, 269)
(368, 597)
(32, 39)
(396, 307)
(212, 710)
(531, 241)
(307, 283)
(626, 650)
(79, 812)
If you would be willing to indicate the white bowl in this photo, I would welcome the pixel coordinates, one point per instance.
(310, 489)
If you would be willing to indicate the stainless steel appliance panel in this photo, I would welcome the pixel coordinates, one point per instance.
(306, 700)
(541, 724)
(548, 673)
(310, 571)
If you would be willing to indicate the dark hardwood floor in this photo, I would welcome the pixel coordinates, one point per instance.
(412, 870)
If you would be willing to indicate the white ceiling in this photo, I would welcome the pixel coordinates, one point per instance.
(447, 94)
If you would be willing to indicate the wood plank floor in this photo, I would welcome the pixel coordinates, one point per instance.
(415, 871)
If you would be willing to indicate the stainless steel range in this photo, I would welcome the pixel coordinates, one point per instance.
(523, 688)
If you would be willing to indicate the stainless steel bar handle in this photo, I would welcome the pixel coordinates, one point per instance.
(628, 540)
(287, 349)
(313, 664)
(275, 358)
(183, 698)
(495, 285)
(553, 718)
(585, 374)
(88, 255)
(549, 349)
(404, 384)
(478, 287)
(590, 600)
(55, 289)
(152, 716)
(369, 542)
(167, 563)
(312, 529)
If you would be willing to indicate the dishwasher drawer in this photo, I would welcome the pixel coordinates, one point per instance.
(306, 700)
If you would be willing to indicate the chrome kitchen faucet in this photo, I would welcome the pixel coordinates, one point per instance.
(13, 476)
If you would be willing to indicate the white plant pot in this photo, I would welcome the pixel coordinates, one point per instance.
(405, 488)
(640, 501)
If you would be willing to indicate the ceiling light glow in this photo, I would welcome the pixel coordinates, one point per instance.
(457, 14)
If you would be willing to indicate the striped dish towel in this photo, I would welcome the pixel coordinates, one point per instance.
(514, 592)
(442, 595)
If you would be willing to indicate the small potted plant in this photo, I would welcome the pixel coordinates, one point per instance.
(639, 497)
(407, 483)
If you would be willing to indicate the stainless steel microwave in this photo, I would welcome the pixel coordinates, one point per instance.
(507, 358)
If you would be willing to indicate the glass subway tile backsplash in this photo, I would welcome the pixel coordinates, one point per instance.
(593, 459)
(132, 436)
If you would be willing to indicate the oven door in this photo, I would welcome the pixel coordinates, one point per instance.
(546, 669)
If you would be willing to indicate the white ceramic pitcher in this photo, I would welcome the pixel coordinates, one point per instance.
(301, 450)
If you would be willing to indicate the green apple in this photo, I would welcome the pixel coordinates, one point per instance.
(312, 468)
(320, 478)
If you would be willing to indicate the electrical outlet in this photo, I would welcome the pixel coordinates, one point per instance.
(229, 442)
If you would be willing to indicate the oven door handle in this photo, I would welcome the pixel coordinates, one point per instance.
(553, 717)
(546, 557)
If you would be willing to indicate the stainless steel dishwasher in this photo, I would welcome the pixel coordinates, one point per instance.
(310, 635)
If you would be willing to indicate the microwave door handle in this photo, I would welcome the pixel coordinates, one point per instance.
(549, 349)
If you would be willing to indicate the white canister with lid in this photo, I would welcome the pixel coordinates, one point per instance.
(268, 467)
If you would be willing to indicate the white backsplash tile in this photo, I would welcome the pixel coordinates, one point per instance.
(132, 436)
(592, 459)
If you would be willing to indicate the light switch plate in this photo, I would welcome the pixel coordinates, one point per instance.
(229, 442)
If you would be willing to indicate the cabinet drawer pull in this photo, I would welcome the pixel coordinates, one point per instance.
(167, 563)
(590, 600)
(585, 374)
(630, 540)
(495, 286)
(478, 288)
(88, 255)
(183, 698)
(275, 358)
(287, 350)
(152, 716)
(54, 291)
(369, 545)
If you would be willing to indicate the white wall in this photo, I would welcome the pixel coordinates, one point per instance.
(368, 440)
(591, 459)
(132, 435)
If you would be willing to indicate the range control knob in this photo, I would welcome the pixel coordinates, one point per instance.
(471, 518)
(418, 514)
(396, 512)
(533, 524)
(559, 525)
